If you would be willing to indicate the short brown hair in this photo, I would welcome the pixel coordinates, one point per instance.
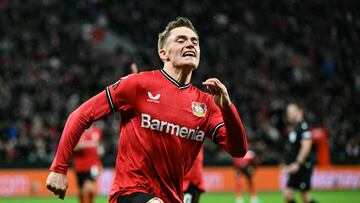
(178, 22)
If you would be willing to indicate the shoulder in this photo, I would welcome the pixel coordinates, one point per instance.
(146, 76)
(137, 78)
(304, 126)
(152, 73)
(204, 96)
(141, 75)
(305, 130)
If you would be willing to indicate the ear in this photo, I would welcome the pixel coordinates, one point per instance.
(163, 55)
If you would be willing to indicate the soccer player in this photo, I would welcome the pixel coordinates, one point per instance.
(164, 121)
(87, 163)
(245, 167)
(193, 184)
(300, 158)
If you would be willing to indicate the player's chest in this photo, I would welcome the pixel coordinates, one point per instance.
(172, 106)
(294, 136)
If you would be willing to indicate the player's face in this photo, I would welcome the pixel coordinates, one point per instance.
(182, 48)
(292, 112)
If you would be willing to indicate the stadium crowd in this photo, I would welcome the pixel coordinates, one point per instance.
(56, 54)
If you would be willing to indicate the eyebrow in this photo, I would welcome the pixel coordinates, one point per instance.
(185, 37)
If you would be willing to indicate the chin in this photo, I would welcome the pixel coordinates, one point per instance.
(190, 65)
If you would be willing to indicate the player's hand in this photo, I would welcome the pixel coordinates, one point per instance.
(57, 183)
(292, 168)
(218, 91)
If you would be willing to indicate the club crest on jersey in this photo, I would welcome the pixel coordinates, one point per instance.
(198, 109)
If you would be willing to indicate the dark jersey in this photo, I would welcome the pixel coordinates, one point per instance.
(298, 133)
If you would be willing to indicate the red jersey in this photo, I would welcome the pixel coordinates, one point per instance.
(195, 174)
(87, 155)
(247, 160)
(163, 126)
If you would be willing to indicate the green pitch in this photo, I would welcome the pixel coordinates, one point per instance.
(347, 196)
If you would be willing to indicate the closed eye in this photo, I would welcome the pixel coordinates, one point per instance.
(183, 38)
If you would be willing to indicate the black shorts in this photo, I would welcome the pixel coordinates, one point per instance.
(192, 194)
(301, 180)
(83, 176)
(137, 197)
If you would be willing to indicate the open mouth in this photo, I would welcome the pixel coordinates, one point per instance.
(189, 53)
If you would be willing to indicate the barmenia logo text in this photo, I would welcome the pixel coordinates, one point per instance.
(173, 129)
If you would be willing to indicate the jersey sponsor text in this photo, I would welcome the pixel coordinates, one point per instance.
(171, 128)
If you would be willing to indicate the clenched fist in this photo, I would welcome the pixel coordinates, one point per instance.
(57, 183)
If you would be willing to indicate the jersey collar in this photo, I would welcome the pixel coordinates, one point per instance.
(180, 86)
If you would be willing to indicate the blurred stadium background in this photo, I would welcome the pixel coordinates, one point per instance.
(56, 54)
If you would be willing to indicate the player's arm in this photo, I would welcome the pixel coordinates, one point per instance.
(301, 157)
(119, 96)
(304, 151)
(235, 142)
(94, 109)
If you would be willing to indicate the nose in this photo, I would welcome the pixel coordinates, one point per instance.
(189, 44)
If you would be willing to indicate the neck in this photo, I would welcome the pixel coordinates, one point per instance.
(180, 74)
(299, 120)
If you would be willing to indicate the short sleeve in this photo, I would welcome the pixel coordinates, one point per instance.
(122, 94)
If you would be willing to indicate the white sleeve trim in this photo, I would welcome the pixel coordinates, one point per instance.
(215, 130)
(112, 106)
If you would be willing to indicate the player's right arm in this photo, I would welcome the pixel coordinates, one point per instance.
(119, 96)
(227, 128)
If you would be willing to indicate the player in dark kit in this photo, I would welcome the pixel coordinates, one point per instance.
(164, 121)
(300, 158)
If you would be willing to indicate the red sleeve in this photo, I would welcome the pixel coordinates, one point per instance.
(122, 94)
(119, 96)
(229, 134)
(94, 109)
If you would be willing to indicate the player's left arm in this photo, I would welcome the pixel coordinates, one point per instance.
(301, 157)
(235, 142)
(305, 149)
